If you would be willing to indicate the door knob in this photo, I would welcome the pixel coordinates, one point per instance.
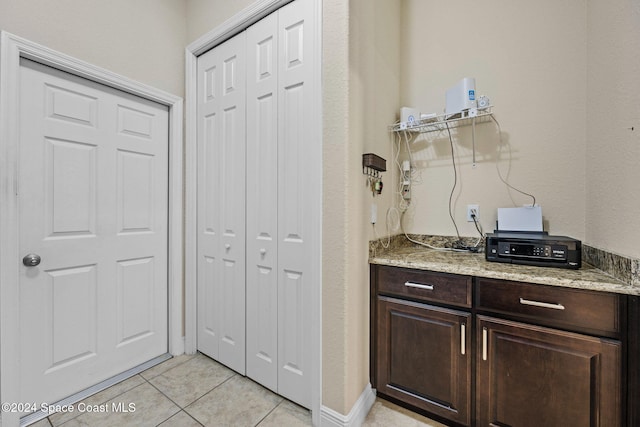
(31, 260)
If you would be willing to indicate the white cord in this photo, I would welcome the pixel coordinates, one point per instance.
(426, 244)
(403, 204)
(388, 220)
(415, 175)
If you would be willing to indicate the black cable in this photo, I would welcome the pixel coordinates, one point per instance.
(478, 226)
(477, 247)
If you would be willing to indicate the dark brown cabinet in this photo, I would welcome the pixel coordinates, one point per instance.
(423, 357)
(566, 360)
(421, 340)
(488, 352)
(531, 376)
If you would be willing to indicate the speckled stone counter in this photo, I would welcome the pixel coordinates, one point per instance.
(473, 264)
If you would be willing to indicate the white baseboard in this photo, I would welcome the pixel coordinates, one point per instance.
(176, 348)
(357, 415)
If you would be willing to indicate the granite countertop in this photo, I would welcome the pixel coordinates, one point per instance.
(474, 264)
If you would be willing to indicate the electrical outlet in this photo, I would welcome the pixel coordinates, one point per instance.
(406, 192)
(406, 180)
(473, 209)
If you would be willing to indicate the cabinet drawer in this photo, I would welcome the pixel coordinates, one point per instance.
(425, 285)
(596, 313)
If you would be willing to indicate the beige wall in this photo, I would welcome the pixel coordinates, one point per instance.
(335, 236)
(360, 53)
(530, 58)
(563, 78)
(374, 97)
(143, 40)
(613, 150)
(205, 15)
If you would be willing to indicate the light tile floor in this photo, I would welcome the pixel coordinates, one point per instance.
(194, 391)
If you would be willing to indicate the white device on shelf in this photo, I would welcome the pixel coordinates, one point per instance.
(461, 98)
(408, 117)
(483, 102)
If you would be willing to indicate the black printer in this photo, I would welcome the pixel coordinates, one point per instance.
(533, 248)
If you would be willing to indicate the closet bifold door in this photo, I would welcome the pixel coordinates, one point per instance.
(280, 96)
(299, 188)
(262, 202)
(221, 237)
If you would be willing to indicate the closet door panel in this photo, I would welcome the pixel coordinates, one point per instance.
(299, 188)
(232, 167)
(208, 220)
(262, 202)
(221, 203)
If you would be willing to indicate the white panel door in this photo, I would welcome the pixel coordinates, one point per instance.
(221, 236)
(262, 202)
(93, 204)
(299, 190)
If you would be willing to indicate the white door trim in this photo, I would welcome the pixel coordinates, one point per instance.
(12, 48)
(229, 28)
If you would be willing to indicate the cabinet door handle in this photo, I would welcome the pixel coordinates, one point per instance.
(418, 285)
(484, 343)
(463, 339)
(541, 304)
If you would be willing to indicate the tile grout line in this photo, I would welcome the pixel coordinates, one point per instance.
(190, 416)
(183, 408)
(100, 402)
(173, 415)
(48, 418)
(235, 374)
(144, 380)
(169, 369)
(180, 409)
(148, 380)
(170, 399)
(270, 412)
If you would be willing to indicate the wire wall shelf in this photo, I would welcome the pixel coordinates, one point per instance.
(441, 123)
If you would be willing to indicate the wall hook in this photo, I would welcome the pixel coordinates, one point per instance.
(372, 165)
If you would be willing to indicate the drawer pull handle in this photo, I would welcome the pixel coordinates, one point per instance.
(541, 304)
(418, 285)
(484, 343)
(463, 339)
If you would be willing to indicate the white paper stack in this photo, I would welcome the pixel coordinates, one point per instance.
(520, 219)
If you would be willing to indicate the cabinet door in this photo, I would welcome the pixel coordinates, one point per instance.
(530, 376)
(423, 357)
(221, 203)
